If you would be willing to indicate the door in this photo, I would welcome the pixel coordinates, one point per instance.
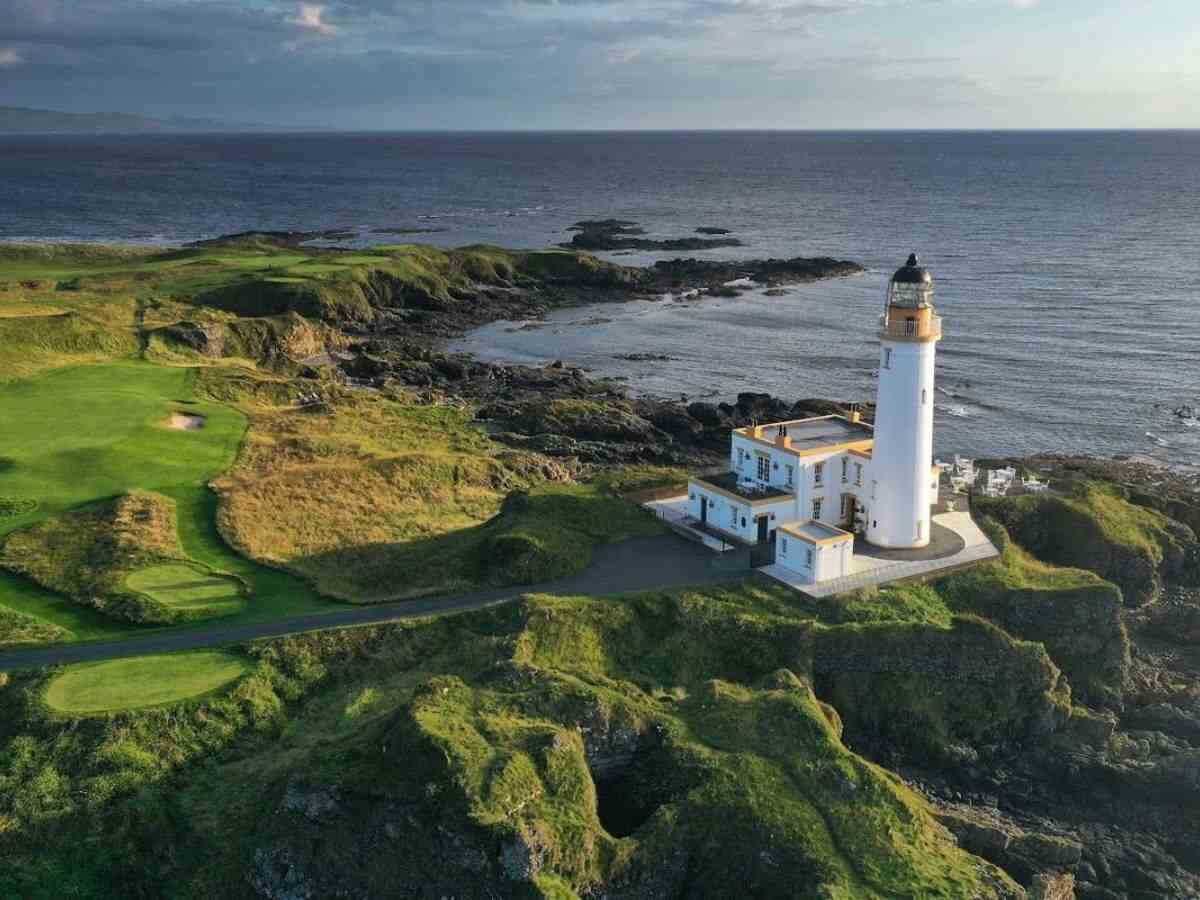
(763, 524)
(851, 510)
(703, 510)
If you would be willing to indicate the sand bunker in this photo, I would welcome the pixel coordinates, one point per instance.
(185, 421)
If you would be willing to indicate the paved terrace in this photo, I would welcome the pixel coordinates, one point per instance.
(964, 545)
(823, 431)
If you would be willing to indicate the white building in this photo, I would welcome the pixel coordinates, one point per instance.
(810, 485)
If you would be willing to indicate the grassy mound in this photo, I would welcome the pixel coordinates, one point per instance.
(123, 558)
(1073, 612)
(188, 589)
(1099, 530)
(141, 681)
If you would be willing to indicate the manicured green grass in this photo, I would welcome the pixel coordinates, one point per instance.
(141, 681)
(81, 434)
(184, 587)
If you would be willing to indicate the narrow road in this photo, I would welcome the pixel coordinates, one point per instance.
(642, 564)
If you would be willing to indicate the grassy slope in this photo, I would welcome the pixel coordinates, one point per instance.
(376, 497)
(410, 759)
(84, 433)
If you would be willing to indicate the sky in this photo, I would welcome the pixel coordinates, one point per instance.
(600, 64)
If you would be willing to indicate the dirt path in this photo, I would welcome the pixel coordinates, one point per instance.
(641, 564)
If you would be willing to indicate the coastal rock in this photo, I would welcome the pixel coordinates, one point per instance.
(619, 234)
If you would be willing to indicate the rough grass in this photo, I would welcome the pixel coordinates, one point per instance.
(375, 497)
(141, 681)
(20, 629)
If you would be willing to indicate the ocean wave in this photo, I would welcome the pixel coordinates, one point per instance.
(953, 409)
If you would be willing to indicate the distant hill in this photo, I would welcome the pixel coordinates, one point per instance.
(19, 120)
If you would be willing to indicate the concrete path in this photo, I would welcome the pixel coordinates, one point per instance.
(640, 564)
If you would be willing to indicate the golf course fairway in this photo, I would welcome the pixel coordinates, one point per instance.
(76, 435)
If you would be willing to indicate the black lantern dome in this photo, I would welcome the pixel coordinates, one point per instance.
(911, 286)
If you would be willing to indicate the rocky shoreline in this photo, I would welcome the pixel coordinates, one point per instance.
(1101, 804)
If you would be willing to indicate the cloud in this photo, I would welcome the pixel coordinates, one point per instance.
(1024, 4)
(310, 17)
(9, 57)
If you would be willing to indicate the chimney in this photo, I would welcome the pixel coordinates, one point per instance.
(782, 440)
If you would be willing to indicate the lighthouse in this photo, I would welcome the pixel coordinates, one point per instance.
(902, 488)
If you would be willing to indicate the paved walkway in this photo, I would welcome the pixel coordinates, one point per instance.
(640, 564)
(875, 570)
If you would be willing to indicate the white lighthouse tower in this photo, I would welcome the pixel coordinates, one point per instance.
(903, 490)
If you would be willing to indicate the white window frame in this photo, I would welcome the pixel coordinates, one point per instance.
(887, 358)
(817, 503)
(762, 469)
(819, 474)
(791, 474)
(808, 556)
(783, 546)
(858, 474)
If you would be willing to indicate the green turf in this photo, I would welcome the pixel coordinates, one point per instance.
(184, 587)
(81, 434)
(141, 681)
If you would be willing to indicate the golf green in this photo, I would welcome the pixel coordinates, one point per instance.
(80, 434)
(141, 681)
(189, 588)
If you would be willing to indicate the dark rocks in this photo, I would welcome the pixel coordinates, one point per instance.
(277, 875)
(707, 229)
(643, 357)
(771, 272)
(522, 857)
(619, 234)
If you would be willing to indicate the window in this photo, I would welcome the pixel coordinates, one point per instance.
(920, 529)
(733, 514)
(858, 473)
(791, 471)
(817, 508)
(924, 396)
(874, 488)
(819, 474)
(783, 546)
(764, 468)
(910, 326)
(845, 470)
(846, 505)
(887, 357)
(808, 556)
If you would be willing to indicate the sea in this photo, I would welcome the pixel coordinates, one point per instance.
(1067, 264)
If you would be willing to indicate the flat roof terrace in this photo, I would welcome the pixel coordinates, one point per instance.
(727, 483)
(815, 532)
(810, 434)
